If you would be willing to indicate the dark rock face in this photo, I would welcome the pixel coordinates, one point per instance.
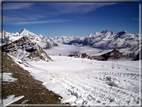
(84, 55)
(24, 49)
(139, 55)
(31, 50)
(74, 55)
(115, 54)
(100, 58)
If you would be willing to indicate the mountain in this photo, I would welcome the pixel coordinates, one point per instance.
(8, 37)
(24, 50)
(109, 40)
(128, 44)
(63, 39)
(43, 42)
(114, 54)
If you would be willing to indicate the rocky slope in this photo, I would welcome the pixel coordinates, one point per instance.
(24, 49)
(32, 90)
(112, 55)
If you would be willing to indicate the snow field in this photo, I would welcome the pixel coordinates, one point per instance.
(89, 82)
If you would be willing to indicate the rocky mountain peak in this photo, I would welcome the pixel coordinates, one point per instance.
(43, 42)
(26, 33)
(24, 50)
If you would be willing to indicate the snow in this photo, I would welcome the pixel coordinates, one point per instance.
(43, 42)
(8, 37)
(7, 77)
(82, 81)
(108, 39)
(39, 39)
(11, 99)
(63, 39)
(89, 82)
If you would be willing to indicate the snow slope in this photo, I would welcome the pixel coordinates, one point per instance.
(89, 82)
(11, 99)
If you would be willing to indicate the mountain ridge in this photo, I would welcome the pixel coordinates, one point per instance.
(43, 42)
(24, 50)
(108, 40)
(126, 42)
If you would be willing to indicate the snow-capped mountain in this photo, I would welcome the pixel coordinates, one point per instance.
(126, 43)
(8, 37)
(43, 42)
(24, 50)
(63, 39)
(109, 40)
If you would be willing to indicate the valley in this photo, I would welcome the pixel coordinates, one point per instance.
(81, 81)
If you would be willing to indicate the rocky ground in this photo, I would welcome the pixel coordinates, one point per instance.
(34, 92)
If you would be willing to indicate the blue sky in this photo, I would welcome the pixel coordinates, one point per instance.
(70, 19)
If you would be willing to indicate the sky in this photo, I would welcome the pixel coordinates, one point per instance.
(70, 19)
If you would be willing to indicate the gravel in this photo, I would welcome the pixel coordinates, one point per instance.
(33, 90)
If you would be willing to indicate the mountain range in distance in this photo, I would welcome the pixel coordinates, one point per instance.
(108, 40)
(102, 40)
(127, 43)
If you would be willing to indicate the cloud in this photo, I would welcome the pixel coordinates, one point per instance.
(60, 7)
(20, 18)
(64, 8)
(39, 22)
(135, 19)
(10, 6)
(33, 13)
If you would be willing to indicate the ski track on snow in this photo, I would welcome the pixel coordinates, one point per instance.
(99, 85)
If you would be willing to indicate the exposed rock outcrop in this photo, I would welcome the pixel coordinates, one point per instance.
(24, 49)
(115, 54)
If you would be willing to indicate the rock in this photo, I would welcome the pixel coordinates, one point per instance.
(24, 49)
